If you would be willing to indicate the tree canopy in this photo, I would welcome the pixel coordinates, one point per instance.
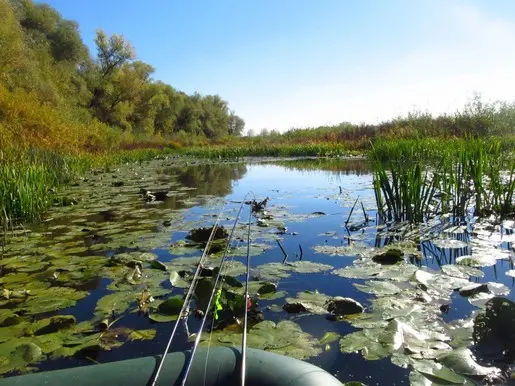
(43, 55)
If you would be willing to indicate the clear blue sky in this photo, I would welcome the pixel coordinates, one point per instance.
(299, 63)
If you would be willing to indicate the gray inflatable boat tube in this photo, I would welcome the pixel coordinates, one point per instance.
(223, 368)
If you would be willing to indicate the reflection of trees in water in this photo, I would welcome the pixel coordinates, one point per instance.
(213, 179)
(337, 167)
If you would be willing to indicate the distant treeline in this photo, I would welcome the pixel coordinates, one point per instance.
(476, 119)
(54, 93)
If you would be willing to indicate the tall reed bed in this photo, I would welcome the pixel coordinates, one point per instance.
(268, 150)
(417, 179)
(26, 182)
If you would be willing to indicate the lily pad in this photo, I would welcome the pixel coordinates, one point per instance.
(267, 289)
(391, 256)
(171, 306)
(329, 337)
(449, 243)
(177, 281)
(342, 250)
(156, 264)
(438, 373)
(476, 261)
(344, 306)
(493, 328)
(461, 271)
(285, 337)
(460, 360)
(473, 289)
(277, 270)
(307, 301)
(378, 288)
(142, 334)
(20, 356)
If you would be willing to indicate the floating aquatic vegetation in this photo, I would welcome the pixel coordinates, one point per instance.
(271, 271)
(177, 280)
(478, 261)
(449, 243)
(461, 271)
(389, 257)
(368, 269)
(167, 310)
(285, 337)
(343, 250)
(307, 301)
(340, 306)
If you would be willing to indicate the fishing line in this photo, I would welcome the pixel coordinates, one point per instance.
(187, 299)
(189, 361)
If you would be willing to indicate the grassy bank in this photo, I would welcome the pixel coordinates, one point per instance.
(242, 149)
(29, 178)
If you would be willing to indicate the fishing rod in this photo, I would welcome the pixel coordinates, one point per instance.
(245, 319)
(189, 361)
(189, 294)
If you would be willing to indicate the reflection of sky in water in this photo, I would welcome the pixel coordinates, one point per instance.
(301, 192)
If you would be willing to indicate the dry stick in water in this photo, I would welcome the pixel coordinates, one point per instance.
(301, 252)
(364, 212)
(282, 249)
(352, 210)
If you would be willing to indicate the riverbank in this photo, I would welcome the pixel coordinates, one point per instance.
(30, 178)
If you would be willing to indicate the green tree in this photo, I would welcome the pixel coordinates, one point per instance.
(12, 48)
(236, 125)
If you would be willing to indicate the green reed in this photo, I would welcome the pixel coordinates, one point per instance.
(404, 193)
(415, 179)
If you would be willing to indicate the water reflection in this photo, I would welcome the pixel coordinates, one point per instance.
(338, 167)
(209, 179)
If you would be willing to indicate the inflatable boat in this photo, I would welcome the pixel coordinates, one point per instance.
(216, 367)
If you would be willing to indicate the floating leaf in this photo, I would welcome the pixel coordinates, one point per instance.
(307, 301)
(278, 270)
(342, 250)
(20, 356)
(449, 243)
(473, 289)
(177, 281)
(438, 372)
(493, 328)
(285, 337)
(378, 288)
(116, 302)
(344, 306)
(267, 289)
(476, 261)
(232, 281)
(171, 306)
(391, 256)
(461, 271)
(422, 277)
(156, 264)
(329, 337)
(460, 360)
(142, 334)
(360, 342)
